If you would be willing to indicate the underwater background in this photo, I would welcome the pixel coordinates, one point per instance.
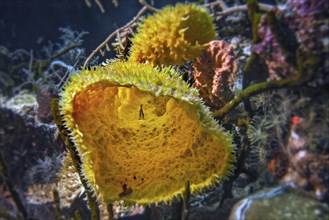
(255, 74)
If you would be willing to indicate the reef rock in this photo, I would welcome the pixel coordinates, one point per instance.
(282, 202)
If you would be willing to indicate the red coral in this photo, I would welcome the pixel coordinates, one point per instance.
(214, 72)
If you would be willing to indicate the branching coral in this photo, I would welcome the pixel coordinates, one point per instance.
(173, 35)
(213, 71)
(100, 5)
(142, 133)
(23, 69)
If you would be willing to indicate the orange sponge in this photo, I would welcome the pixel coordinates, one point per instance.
(142, 133)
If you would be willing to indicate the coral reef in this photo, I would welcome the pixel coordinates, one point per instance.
(123, 42)
(141, 131)
(173, 35)
(135, 110)
(214, 73)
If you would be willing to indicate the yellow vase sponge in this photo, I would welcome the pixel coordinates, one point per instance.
(142, 133)
(173, 35)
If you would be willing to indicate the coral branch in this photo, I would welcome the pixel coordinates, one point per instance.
(57, 206)
(88, 3)
(253, 90)
(117, 31)
(42, 64)
(143, 2)
(240, 8)
(100, 6)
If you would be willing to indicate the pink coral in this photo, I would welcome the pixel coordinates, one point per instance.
(213, 73)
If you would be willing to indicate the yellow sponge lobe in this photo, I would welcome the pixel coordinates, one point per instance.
(173, 35)
(142, 133)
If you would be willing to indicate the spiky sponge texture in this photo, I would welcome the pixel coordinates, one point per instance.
(173, 35)
(142, 133)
